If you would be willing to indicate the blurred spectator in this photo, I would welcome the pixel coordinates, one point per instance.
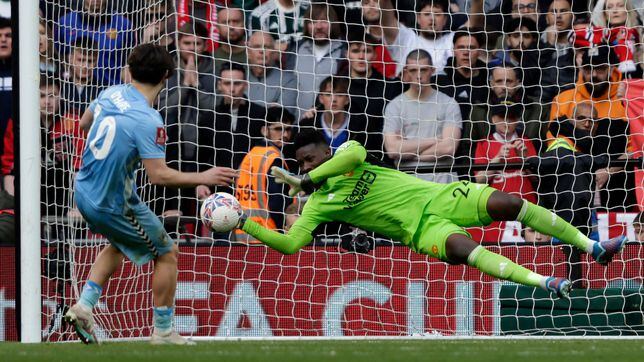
(268, 85)
(465, 80)
(612, 13)
(232, 38)
(624, 32)
(188, 97)
(638, 225)
(559, 70)
(506, 85)
(470, 13)
(283, 19)
(189, 10)
(465, 77)
(483, 14)
(369, 21)
(598, 83)
(333, 119)
(532, 236)
(559, 19)
(78, 87)
(111, 32)
(466, 6)
(48, 56)
(522, 9)
(369, 90)
(433, 33)
(318, 54)
(56, 154)
(524, 50)
(503, 146)
(263, 199)
(517, 10)
(569, 172)
(159, 25)
(226, 135)
(422, 126)
(7, 219)
(6, 78)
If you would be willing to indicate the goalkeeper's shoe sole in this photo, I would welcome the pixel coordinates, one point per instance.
(560, 286)
(170, 338)
(83, 323)
(604, 251)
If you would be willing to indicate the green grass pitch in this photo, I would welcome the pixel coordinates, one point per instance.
(476, 350)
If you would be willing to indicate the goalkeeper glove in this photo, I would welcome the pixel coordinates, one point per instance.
(297, 183)
(359, 243)
(242, 221)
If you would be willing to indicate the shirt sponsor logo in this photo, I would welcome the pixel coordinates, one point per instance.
(360, 190)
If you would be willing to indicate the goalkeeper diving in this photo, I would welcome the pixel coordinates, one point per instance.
(427, 217)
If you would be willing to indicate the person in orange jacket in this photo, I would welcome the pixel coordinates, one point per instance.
(263, 199)
(599, 83)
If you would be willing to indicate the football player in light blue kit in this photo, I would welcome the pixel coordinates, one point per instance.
(125, 130)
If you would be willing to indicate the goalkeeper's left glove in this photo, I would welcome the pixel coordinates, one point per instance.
(242, 221)
(297, 183)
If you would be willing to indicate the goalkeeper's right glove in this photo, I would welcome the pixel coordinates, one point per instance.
(359, 243)
(296, 183)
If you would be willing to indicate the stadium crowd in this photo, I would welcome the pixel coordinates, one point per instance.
(552, 84)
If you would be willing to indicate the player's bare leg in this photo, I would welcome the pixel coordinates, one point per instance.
(80, 314)
(460, 249)
(505, 207)
(164, 285)
(164, 279)
(106, 263)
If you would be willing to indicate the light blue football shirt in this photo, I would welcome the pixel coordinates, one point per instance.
(125, 130)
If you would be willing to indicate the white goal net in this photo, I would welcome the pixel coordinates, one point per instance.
(510, 83)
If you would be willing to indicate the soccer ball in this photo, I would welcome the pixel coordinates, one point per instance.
(221, 212)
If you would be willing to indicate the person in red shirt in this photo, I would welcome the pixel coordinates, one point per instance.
(505, 144)
(58, 154)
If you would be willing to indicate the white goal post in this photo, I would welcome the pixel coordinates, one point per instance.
(29, 189)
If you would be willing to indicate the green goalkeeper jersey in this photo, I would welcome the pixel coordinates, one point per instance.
(370, 197)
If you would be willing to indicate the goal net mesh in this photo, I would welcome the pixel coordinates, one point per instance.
(511, 77)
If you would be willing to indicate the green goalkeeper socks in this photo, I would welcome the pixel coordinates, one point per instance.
(547, 222)
(501, 267)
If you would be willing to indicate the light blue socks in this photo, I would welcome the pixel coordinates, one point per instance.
(163, 319)
(91, 293)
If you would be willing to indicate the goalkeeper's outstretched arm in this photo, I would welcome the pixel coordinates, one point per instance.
(289, 243)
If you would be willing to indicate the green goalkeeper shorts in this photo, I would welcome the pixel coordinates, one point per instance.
(457, 205)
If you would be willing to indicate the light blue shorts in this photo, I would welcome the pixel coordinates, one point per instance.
(138, 233)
